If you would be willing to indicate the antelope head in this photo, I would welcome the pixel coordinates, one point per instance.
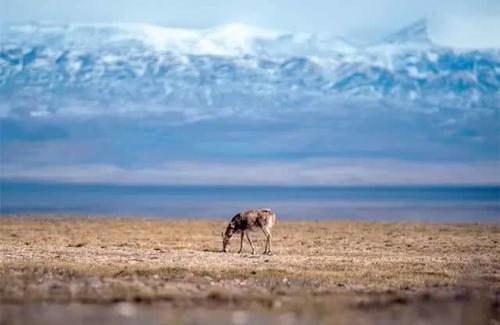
(227, 236)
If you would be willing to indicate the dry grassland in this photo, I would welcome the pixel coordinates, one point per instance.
(371, 265)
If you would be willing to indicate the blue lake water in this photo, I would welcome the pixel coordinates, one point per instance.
(436, 203)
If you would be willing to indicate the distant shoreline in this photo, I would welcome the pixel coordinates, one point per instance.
(429, 203)
(115, 217)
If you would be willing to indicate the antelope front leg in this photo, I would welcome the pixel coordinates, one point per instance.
(267, 239)
(268, 242)
(241, 243)
(250, 241)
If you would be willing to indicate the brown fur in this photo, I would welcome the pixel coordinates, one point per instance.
(247, 221)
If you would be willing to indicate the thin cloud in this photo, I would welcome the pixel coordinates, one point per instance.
(317, 172)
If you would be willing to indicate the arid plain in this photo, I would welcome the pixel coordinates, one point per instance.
(116, 270)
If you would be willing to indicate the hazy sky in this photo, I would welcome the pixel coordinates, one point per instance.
(464, 23)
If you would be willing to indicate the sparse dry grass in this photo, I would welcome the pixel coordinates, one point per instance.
(388, 271)
(111, 259)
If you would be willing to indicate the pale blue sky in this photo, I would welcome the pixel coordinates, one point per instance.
(461, 23)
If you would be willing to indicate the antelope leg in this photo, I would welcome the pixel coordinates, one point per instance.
(268, 243)
(250, 241)
(267, 239)
(241, 243)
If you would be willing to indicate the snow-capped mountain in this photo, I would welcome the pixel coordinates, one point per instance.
(415, 33)
(93, 69)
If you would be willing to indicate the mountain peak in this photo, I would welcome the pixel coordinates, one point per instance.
(413, 33)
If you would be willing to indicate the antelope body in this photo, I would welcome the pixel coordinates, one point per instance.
(247, 221)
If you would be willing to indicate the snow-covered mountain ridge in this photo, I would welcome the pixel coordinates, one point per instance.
(47, 68)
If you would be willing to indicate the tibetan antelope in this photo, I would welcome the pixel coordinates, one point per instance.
(247, 221)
